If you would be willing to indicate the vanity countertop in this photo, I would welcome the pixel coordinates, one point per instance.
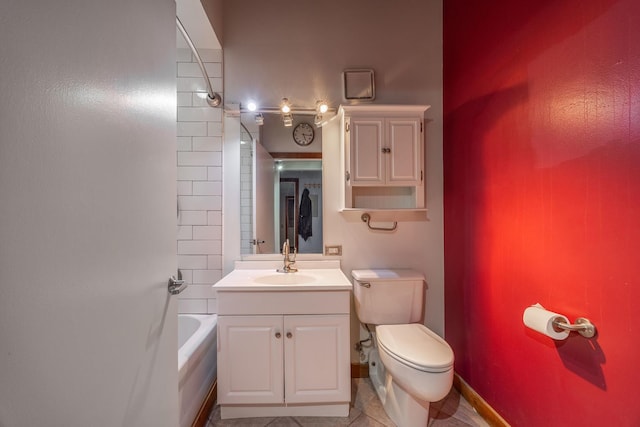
(263, 276)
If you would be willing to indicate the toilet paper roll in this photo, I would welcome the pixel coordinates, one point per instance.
(541, 320)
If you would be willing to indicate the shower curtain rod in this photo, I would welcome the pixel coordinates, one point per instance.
(213, 99)
(247, 131)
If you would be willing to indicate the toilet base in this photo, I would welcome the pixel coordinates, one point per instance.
(403, 409)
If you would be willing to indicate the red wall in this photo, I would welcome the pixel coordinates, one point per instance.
(542, 204)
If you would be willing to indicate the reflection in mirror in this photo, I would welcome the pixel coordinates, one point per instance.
(281, 187)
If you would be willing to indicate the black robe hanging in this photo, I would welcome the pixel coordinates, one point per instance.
(304, 223)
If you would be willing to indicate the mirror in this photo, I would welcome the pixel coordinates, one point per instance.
(281, 185)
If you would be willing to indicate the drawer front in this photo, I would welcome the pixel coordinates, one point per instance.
(282, 302)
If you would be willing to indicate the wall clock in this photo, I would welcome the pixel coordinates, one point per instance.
(303, 134)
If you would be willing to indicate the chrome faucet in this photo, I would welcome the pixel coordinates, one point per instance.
(289, 266)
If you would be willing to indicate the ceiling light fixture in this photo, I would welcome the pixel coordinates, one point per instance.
(285, 107)
(320, 111)
(322, 107)
(287, 120)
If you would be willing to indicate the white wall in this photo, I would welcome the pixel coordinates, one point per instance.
(199, 160)
(298, 50)
(278, 49)
(87, 213)
(246, 195)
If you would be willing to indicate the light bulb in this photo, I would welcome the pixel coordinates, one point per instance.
(285, 107)
(252, 106)
(322, 107)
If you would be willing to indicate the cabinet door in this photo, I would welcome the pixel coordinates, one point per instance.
(404, 139)
(317, 359)
(250, 359)
(367, 159)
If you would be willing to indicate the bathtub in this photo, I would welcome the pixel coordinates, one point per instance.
(196, 362)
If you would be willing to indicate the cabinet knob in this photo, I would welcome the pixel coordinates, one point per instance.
(278, 335)
(289, 334)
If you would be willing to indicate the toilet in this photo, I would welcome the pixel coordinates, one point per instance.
(410, 365)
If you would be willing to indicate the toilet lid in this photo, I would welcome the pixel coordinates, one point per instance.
(415, 345)
(385, 274)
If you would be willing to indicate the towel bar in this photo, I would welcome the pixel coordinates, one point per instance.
(367, 218)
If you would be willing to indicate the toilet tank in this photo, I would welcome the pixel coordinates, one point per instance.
(388, 296)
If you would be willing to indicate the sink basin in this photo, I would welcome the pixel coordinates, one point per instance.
(264, 276)
(285, 279)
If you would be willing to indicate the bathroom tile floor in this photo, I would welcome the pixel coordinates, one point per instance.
(366, 410)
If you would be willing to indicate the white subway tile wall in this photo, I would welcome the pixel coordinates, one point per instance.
(246, 189)
(199, 161)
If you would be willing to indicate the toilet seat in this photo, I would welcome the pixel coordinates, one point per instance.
(416, 346)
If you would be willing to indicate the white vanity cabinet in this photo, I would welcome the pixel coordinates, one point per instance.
(384, 156)
(283, 343)
(283, 359)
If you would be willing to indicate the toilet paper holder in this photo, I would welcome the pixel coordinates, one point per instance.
(582, 326)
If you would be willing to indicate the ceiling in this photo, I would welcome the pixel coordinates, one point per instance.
(195, 21)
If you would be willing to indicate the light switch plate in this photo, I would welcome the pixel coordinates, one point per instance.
(335, 250)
